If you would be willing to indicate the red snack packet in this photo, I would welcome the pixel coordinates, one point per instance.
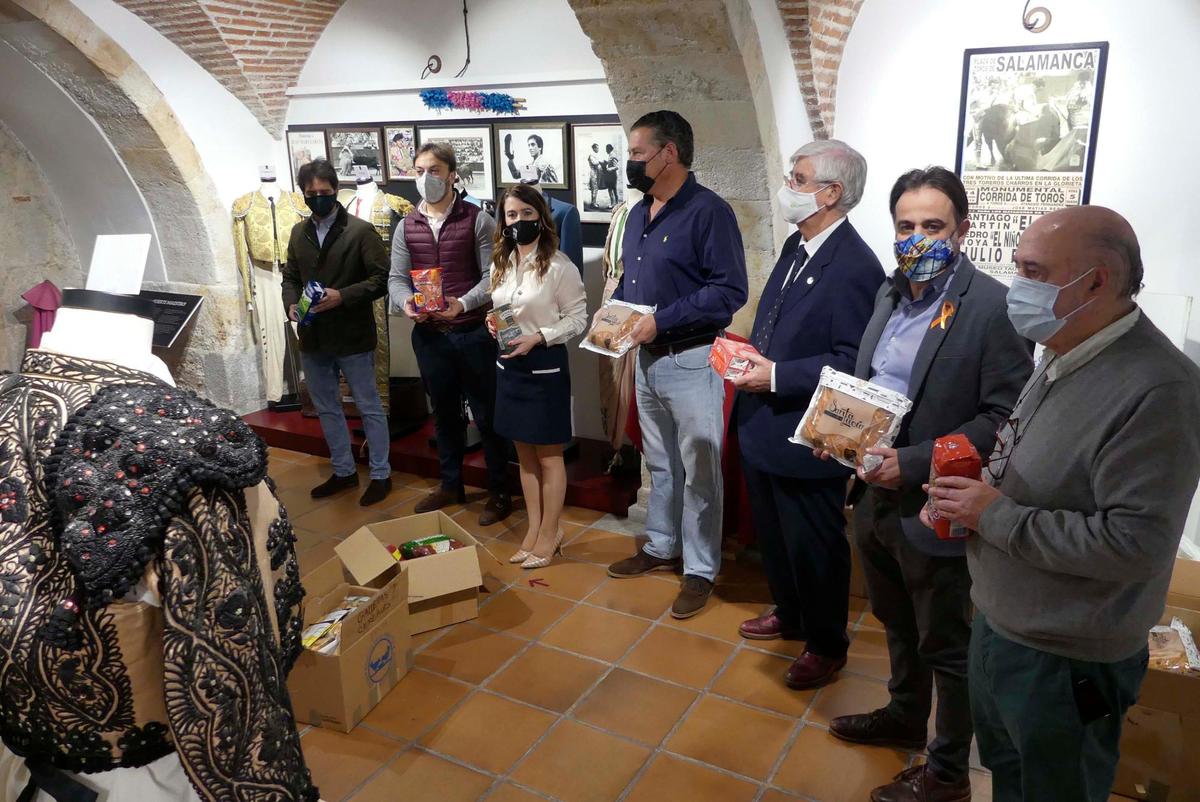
(953, 455)
(427, 290)
(730, 358)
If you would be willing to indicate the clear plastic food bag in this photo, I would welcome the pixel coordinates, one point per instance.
(612, 332)
(846, 416)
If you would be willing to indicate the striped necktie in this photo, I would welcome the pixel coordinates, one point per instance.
(763, 340)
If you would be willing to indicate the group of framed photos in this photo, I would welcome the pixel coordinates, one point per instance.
(491, 156)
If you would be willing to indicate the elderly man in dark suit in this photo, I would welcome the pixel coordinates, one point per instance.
(812, 313)
(941, 335)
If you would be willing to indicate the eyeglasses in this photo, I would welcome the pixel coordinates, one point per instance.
(1007, 440)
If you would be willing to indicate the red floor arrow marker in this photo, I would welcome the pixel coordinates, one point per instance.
(538, 582)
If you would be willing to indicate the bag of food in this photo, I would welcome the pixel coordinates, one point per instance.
(1173, 648)
(424, 547)
(507, 329)
(730, 358)
(314, 293)
(427, 290)
(953, 455)
(325, 635)
(611, 334)
(846, 416)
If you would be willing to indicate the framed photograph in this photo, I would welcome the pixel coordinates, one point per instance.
(349, 147)
(599, 160)
(1027, 129)
(473, 151)
(531, 153)
(401, 142)
(303, 147)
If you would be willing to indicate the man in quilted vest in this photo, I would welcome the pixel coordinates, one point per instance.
(454, 351)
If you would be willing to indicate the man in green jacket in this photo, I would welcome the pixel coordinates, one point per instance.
(1080, 514)
(346, 255)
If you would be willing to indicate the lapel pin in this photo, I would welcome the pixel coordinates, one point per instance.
(810, 280)
(944, 317)
(665, 238)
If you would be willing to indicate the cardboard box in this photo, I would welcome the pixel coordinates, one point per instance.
(1161, 733)
(730, 359)
(338, 690)
(443, 589)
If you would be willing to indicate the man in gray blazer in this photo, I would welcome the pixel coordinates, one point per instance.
(940, 334)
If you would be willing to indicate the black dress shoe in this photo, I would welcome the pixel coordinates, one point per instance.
(498, 508)
(878, 728)
(334, 484)
(376, 492)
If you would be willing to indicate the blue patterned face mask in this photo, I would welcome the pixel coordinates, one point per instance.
(921, 257)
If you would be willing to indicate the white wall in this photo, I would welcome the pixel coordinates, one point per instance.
(229, 139)
(367, 65)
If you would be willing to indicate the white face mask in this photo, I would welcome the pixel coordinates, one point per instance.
(796, 207)
(432, 188)
(1031, 307)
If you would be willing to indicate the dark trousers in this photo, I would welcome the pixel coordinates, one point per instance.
(924, 603)
(800, 527)
(1031, 728)
(456, 364)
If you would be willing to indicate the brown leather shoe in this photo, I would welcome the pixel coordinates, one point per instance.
(767, 626)
(498, 508)
(693, 595)
(879, 728)
(640, 563)
(812, 671)
(922, 784)
(437, 499)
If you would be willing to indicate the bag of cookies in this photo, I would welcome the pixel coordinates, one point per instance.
(953, 455)
(611, 334)
(427, 290)
(846, 416)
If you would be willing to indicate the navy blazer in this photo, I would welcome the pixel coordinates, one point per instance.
(570, 231)
(821, 323)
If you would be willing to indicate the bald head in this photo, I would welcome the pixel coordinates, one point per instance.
(1092, 237)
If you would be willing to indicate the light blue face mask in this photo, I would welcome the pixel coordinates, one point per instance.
(1031, 307)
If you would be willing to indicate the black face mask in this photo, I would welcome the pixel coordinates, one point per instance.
(635, 173)
(523, 232)
(321, 205)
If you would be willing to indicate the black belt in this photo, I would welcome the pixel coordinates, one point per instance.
(664, 349)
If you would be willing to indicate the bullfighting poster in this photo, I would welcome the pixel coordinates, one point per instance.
(1026, 140)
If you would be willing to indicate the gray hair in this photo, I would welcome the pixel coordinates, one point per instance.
(835, 161)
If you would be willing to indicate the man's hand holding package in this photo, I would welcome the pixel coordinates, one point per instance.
(644, 331)
(961, 500)
(758, 378)
(887, 475)
(410, 312)
(332, 300)
(454, 308)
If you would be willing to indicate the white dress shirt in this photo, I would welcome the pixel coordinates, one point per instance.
(554, 305)
(811, 247)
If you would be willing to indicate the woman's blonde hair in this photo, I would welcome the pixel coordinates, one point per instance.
(503, 247)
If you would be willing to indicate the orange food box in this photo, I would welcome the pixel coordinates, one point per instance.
(953, 455)
(731, 359)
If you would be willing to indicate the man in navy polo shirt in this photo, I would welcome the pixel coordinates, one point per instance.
(683, 255)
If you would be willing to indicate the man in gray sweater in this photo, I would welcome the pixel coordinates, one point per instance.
(1080, 514)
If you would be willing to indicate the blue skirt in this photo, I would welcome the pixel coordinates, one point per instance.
(533, 397)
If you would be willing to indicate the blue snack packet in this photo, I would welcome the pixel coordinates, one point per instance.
(314, 293)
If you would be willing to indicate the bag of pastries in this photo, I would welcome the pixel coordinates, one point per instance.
(611, 333)
(846, 416)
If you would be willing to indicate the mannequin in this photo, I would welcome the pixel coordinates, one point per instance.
(262, 223)
(82, 329)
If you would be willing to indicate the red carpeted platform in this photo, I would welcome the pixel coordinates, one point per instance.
(587, 484)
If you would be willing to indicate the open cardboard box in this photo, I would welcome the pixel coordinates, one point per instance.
(1160, 739)
(443, 589)
(337, 690)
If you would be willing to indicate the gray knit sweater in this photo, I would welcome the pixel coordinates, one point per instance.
(1076, 558)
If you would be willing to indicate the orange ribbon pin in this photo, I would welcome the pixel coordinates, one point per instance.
(944, 317)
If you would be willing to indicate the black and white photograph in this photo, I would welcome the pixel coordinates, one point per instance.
(599, 156)
(473, 151)
(1026, 142)
(349, 147)
(401, 142)
(304, 147)
(534, 153)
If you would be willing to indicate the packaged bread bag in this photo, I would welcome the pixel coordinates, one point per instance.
(612, 332)
(847, 415)
(953, 455)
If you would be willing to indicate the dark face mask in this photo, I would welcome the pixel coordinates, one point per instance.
(635, 173)
(523, 232)
(321, 205)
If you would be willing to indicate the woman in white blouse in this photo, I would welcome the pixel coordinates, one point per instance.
(538, 289)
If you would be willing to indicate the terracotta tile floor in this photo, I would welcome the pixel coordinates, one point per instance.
(582, 688)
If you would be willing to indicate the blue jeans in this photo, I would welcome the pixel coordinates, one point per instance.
(321, 372)
(681, 411)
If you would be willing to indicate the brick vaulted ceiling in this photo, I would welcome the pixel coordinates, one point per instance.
(817, 32)
(255, 48)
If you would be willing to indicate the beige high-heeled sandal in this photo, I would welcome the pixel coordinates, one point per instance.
(541, 562)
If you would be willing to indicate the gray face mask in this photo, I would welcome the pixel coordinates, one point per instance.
(432, 188)
(1031, 307)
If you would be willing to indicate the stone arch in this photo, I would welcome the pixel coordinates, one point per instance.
(817, 31)
(192, 228)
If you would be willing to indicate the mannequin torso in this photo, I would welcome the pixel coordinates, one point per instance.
(106, 337)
